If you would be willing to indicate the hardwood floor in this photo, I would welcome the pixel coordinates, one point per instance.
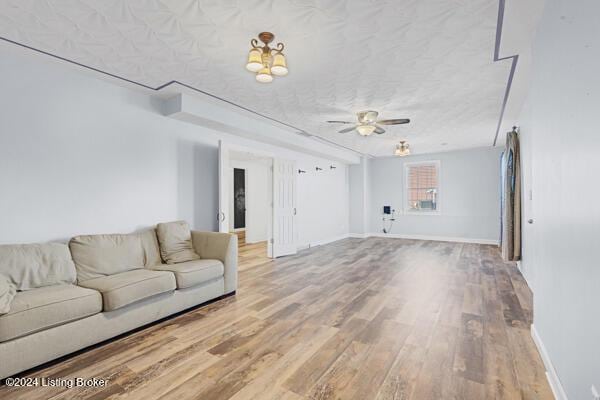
(250, 254)
(357, 319)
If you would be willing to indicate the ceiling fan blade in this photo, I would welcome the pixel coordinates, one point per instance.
(346, 130)
(340, 122)
(394, 121)
(379, 130)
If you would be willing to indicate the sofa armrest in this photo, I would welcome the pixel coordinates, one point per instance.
(219, 246)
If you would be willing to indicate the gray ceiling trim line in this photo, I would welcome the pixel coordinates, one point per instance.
(299, 131)
(156, 89)
(513, 67)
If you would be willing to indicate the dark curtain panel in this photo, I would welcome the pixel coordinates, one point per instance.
(511, 199)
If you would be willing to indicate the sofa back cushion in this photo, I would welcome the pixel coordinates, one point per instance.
(101, 255)
(151, 249)
(29, 266)
(8, 290)
(175, 240)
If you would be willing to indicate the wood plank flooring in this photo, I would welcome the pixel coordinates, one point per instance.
(250, 254)
(357, 319)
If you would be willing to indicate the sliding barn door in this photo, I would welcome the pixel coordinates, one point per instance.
(284, 208)
(223, 213)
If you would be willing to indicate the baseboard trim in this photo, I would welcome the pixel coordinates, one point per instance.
(256, 241)
(323, 241)
(435, 238)
(401, 236)
(551, 375)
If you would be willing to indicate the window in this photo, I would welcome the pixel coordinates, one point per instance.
(422, 186)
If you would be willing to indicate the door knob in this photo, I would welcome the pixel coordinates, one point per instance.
(530, 221)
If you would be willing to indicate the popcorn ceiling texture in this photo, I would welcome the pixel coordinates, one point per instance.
(427, 60)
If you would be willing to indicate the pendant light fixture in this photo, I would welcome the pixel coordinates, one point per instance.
(402, 149)
(266, 61)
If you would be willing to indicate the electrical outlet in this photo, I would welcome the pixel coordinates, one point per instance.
(595, 393)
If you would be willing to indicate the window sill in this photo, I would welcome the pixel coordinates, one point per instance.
(410, 212)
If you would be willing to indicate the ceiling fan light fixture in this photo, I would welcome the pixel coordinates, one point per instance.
(254, 61)
(365, 130)
(264, 75)
(368, 123)
(279, 67)
(368, 116)
(402, 149)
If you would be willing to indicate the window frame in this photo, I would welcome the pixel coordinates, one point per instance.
(438, 166)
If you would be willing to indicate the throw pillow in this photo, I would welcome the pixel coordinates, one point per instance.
(175, 240)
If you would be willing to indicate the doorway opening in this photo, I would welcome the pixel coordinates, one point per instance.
(250, 204)
(257, 202)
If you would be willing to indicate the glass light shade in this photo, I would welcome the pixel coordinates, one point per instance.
(254, 61)
(402, 150)
(365, 130)
(370, 116)
(279, 67)
(264, 75)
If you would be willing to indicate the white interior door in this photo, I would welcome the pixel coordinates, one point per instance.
(223, 213)
(270, 211)
(284, 208)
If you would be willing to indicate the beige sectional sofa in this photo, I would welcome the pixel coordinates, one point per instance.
(100, 286)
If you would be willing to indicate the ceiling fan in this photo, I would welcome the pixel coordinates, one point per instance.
(368, 123)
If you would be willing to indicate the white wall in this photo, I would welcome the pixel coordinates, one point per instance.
(561, 142)
(328, 192)
(258, 203)
(357, 192)
(82, 155)
(469, 196)
(79, 155)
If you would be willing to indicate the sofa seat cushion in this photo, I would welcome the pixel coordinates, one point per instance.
(43, 308)
(192, 273)
(121, 289)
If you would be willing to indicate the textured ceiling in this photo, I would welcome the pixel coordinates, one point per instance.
(427, 60)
